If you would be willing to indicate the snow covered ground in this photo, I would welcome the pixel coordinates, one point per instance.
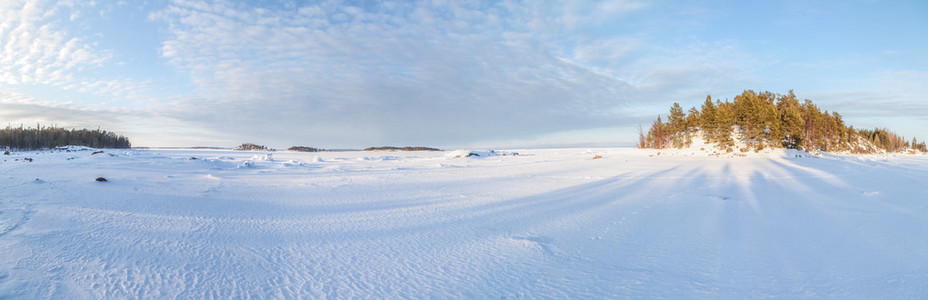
(547, 223)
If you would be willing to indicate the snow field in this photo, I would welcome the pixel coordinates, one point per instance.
(547, 223)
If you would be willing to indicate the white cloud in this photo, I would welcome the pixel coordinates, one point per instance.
(440, 72)
(20, 108)
(326, 74)
(144, 127)
(36, 48)
(891, 99)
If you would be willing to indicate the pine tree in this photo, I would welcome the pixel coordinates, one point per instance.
(772, 128)
(709, 123)
(677, 125)
(749, 116)
(840, 135)
(677, 117)
(692, 122)
(919, 146)
(692, 118)
(813, 124)
(791, 121)
(725, 120)
(657, 136)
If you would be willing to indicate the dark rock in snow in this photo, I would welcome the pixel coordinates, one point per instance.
(101, 179)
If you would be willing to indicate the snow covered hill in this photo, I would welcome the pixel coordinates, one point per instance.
(545, 223)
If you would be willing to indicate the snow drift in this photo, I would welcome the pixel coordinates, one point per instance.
(552, 223)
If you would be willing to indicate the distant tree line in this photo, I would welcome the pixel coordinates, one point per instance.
(304, 149)
(250, 147)
(256, 147)
(918, 146)
(768, 120)
(407, 148)
(22, 138)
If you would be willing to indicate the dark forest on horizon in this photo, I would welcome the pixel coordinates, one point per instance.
(22, 138)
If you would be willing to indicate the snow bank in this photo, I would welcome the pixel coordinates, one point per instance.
(700, 148)
(554, 224)
(478, 153)
(461, 153)
(263, 157)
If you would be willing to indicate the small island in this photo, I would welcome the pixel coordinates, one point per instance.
(304, 149)
(761, 120)
(407, 148)
(250, 147)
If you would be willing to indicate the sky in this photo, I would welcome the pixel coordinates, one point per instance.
(354, 74)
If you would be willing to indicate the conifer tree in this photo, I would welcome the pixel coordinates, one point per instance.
(692, 122)
(919, 146)
(657, 134)
(813, 124)
(677, 125)
(692, 118)
(841, 132)
(677, 117)
(725, 119)
(749, 116)
(709, 123)
(791, 122)
(772, 127)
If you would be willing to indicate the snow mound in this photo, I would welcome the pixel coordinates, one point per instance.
(75, 148)
(217, 162)
(550, 223)
(478, 153)
(700, 147)
(461, 153)
(266, 157)
(248, 164)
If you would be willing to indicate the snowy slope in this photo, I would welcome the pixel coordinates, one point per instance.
(546, 223)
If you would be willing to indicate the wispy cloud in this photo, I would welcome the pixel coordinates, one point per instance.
(33, 50)
(888, 94)
(144, 127)
(37, 48)
(403, 72)
(442, 73)
(20, 108)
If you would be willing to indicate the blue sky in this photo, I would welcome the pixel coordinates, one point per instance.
(351, 74)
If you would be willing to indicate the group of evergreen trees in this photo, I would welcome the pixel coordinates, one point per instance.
(887, 140)
(304, 149)
(50, 137)
(407, 148)
(768, 120)
(250, 147)
(918, 146)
